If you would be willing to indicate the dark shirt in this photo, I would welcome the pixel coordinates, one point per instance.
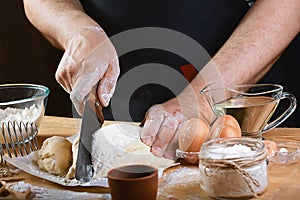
(209, 23)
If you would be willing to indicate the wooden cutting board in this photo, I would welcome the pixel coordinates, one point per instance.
(182, 181)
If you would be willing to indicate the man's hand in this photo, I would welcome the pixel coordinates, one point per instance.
(159, 131)
(163, 120)
(89, 59)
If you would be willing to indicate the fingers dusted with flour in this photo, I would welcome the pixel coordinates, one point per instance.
(94, 60)
(159, 130)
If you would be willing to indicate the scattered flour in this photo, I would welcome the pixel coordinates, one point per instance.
(50, 194)
(182, 178)
(283, 150)
(21, 186)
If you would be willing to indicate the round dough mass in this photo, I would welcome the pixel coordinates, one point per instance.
(55, 155)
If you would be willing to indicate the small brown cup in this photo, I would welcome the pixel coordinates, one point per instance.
(134, 182)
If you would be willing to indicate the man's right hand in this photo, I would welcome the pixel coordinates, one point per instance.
(90, 58)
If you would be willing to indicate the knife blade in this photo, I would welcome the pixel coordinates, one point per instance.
(92, 120)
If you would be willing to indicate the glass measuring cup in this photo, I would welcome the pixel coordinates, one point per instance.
(251, 104)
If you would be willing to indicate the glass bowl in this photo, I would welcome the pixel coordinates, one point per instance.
(22, 107)
(286, 153)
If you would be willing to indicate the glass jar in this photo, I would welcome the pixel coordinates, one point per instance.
(233, 167)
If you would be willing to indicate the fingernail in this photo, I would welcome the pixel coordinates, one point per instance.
(157, 151)
(147, 141)
(105, 98)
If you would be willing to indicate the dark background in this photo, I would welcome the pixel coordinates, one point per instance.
(26, 57)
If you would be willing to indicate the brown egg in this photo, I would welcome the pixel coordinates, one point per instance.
(191, 135)
(229, 127)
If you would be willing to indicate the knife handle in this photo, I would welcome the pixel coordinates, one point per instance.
(94, 103)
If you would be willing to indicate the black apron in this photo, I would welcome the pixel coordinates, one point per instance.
(209, 22)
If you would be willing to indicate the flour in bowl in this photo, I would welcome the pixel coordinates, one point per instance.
(28, 114)
(19, 124)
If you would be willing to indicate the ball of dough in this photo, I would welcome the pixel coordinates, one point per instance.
(55, 155)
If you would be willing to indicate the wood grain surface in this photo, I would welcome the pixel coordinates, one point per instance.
(182, 181)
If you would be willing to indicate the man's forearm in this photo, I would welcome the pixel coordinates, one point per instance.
(57, 20)
(262, 35)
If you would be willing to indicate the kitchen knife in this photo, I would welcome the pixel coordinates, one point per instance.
(92, 120)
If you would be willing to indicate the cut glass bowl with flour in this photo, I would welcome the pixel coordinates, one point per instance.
(286, 153)
(22, 108)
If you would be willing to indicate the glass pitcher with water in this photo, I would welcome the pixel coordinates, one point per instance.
(251, 104)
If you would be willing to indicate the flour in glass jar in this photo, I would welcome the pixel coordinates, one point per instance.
(233, 168)
(229, 152)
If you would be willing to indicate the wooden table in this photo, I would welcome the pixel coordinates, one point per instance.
(176, 183)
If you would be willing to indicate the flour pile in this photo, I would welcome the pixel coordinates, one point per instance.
(120, 144)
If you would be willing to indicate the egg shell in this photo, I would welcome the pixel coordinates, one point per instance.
(230, 132)
(226, 126)
(192, 134)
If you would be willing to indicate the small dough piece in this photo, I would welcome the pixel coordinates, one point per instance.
(55, 155)
(120, 144)
(72, 169)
